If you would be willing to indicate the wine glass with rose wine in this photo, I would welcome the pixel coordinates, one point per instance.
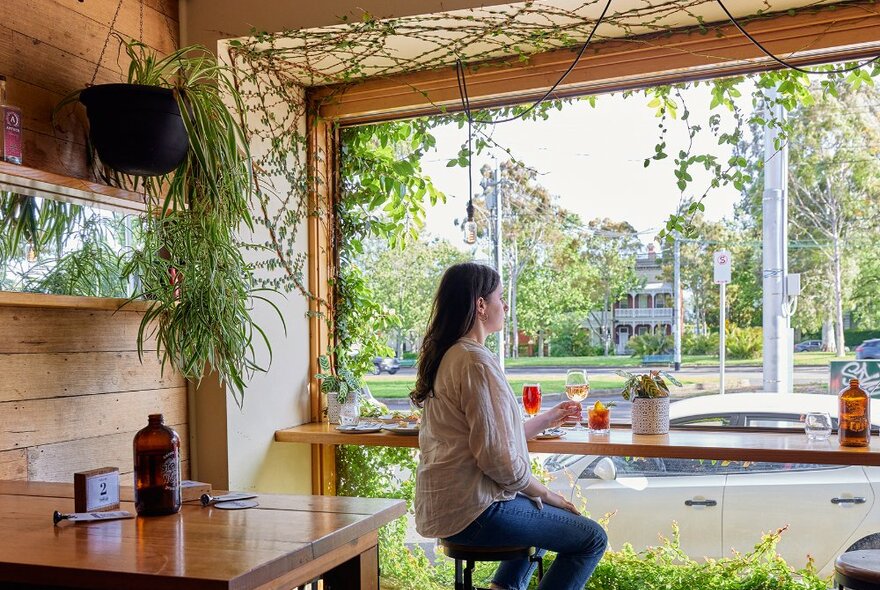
(577, 388)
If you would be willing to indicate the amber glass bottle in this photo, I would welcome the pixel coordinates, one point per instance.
(854, 416)
(156, 469)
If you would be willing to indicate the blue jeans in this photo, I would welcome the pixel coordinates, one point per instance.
(578, 541)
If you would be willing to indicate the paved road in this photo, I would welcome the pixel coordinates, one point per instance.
(752, 376)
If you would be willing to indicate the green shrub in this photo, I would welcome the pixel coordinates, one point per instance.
(853, 338)
(568, 338)
(699, 343)
(744, 343)
(667, 567)
(647, 344)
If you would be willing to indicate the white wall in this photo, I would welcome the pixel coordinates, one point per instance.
(236, 448)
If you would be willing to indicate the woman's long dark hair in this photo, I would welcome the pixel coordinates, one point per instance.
(452, 316)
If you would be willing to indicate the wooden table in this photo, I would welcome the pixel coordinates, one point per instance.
(728, 444)
(286, 542)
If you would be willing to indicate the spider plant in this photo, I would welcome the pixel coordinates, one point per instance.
(190, 265)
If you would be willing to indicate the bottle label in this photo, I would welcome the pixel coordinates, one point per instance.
(170, 471)
(11, 135)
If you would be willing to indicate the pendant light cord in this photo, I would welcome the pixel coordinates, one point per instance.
(767, 52)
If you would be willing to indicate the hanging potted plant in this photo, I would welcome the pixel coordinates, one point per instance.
(650, 400)
(340, 386)
(190, 265)
(138, 127)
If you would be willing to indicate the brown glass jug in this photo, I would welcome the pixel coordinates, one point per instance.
(854, 416)
(156, 469)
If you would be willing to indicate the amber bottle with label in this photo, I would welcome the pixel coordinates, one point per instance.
(156, 469)
(854, 416)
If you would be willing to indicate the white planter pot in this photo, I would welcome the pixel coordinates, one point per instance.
(333, 406)
(650, 415)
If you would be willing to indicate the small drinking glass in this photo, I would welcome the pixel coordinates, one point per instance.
(599, 418)
(577, 388)
(817, 425)
(531, 398)
(349, 415)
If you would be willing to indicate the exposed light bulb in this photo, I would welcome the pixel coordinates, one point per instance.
(470, 231)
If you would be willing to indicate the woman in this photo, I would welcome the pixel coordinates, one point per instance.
(474, 484)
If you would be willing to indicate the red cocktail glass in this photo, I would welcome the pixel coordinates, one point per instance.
(531, 396)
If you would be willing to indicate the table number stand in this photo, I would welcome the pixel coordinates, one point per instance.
(96, 490)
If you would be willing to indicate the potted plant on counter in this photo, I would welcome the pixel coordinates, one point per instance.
(341, 387)
(649, 394)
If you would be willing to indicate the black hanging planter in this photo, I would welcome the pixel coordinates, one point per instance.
(136, 129)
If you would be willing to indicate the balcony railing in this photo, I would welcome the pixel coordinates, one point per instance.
(647, 313)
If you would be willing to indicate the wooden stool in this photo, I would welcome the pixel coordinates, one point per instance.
(470, 555)
(858, 570)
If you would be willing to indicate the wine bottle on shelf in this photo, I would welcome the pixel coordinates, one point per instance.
(156, 469)
(854, 416)
(10, 120)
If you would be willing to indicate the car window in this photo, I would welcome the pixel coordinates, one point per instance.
(707, 420)
(778, 421)
(693, 467)
(746, 467)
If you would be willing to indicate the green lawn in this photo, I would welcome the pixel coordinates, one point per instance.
(394, 387)
(800, 359)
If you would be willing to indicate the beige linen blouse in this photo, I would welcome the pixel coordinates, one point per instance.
(473, 446)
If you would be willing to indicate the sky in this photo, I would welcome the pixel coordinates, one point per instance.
(592, 159)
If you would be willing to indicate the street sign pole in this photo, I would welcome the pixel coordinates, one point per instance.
(722, 277)
(721, 334)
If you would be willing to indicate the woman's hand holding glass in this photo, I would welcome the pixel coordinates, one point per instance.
(563, 412)
(577, 388)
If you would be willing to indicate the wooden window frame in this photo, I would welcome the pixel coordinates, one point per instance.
(847, 32)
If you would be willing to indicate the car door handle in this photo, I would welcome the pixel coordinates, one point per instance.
(856, 500)
(700, 503)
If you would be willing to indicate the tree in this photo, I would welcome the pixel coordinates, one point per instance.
(405, 280)
(611, 246)
(834, 181)
(558, 291)
(530, 221)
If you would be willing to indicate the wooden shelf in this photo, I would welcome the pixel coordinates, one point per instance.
(13, 299)
(37, 183)
(704, 444)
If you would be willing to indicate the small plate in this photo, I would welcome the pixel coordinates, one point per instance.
(236, 505)
(391, 419)
(414, 429)
(551, 433)
(364, 428)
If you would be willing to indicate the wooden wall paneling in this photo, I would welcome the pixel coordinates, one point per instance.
(59, 461)
(49, 375)
(43, 421)
(13, 464)
(49, 48)
(35, 330)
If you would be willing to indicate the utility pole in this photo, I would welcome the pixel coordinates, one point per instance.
(495, 206)
(778, 353)
(677, 323)
(499, 212)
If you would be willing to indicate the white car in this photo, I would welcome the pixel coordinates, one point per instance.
(726, 505)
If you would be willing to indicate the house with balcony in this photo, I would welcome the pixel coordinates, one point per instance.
(645, 310)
